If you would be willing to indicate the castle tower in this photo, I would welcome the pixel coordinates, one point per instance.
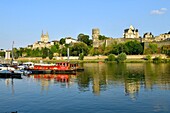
(44, 38)
(95, 37)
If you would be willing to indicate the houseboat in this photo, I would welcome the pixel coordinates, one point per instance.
(60, 67)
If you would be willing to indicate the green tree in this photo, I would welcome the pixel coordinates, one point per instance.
(50, 54)
(62, 41)
(55, 48)
(122, 48)
(153, 48)
(28, 52)
(2, 54)
(102, 37)
(134, 48)
(78, 48)
(108, 50)
(45, 52)
(84, 38)
(63, 51)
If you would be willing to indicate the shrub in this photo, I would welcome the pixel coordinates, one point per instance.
(111, 57)
(121, 57)
(148, 57)
(157, 59)
(81, 56)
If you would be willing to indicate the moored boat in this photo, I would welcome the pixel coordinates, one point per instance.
(9, 74)
(61, 67)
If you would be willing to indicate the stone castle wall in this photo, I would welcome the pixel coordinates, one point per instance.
(160, 44)
(120, 40)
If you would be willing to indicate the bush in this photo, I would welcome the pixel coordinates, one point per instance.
(81, 56)
(148, 57)
(157, 59)
(111, 57)
(121, 57)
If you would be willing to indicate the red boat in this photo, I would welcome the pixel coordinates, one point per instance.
(61, 67)
(57, 66)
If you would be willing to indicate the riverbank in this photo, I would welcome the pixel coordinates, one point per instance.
(95, 59)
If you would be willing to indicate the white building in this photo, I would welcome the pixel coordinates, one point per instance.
(131, 33)
(69, 40)
(7, 54)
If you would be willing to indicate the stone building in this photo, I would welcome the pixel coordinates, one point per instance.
(43, 43)
(40, 45)
(162, 37)
(95, 37)
(131, 33)
(44, 37)
(148, 37)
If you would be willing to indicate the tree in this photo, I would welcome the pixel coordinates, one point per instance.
(153, 48)
(27, 52)
(62, 41)
(122, 48)
(83, 38)
(78, 48)
(108, 50)
(134, 48)
(79, 37)
(2, 54)
(50, 54)
(63, 51)
(54, 48)
(102, 37)
(45, 52)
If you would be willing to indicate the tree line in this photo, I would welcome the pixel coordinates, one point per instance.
(85, 47)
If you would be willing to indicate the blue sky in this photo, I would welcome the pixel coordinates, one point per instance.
(22, 21)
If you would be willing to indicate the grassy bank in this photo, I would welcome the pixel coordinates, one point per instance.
(95, 61)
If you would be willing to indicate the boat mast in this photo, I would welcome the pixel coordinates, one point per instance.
(68, 55)
(12, 52)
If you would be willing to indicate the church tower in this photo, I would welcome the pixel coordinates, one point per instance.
(44, 37)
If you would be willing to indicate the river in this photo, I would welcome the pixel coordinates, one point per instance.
(101, 88)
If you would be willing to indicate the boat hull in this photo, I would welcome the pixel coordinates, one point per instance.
(53, 71)
(10, 75)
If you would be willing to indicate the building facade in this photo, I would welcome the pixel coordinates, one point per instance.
(44, 37)
(131, 33)
(69, 40)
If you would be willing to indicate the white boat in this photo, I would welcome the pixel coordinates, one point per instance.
(2, 67)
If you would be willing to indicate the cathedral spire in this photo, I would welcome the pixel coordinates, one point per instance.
(47, 33)
(42, 33)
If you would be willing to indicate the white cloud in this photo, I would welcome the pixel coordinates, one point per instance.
(159, 11)
(163, 9)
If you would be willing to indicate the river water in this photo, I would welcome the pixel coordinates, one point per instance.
(101, 88)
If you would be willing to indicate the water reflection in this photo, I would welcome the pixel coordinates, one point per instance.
(132, 76)
(101, 77)
(10, 84)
